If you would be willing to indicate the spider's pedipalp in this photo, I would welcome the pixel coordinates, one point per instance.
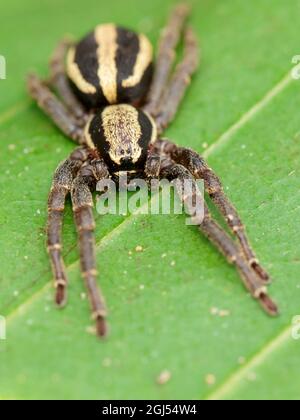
(61, 186)
(153, 163)
(82, 201)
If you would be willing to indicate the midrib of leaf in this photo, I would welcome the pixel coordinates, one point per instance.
(232, 381)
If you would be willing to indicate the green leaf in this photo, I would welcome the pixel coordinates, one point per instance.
(244, 104)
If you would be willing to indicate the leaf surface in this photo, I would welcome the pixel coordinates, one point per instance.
(244, 104)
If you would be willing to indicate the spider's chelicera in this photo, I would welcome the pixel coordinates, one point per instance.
(115, 104)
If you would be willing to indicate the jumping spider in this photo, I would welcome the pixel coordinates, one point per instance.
(115, 104)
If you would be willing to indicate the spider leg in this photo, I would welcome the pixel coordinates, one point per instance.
(224, 243)
(61, 186)
(55, 109)
(153, 163)
(59, 80)
(82, 206)
(199, 168)
(179, 82)
(166, 54)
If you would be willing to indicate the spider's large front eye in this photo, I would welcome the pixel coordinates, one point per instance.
(122, 134)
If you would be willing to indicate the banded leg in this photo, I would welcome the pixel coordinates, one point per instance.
(166, 55)
(179, 82)
(60, 82)
(82, 206)
(54, 108)
(226, 245)
(199, 168)
(229, 249)
(61, 186)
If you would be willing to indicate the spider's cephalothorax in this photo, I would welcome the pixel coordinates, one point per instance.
(122, 135)
(110, 106)
(110, 65)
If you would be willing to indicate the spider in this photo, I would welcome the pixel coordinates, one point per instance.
(116, 104)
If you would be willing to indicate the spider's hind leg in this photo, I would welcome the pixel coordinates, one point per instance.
(166, 54)
(179, 82)
(224, 243)
(55, 109)
(59, 80)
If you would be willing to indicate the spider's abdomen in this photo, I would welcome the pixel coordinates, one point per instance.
(110, 65)
(122, 135)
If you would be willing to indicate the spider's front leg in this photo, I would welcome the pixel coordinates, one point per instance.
(83, 213)
(61, 186)
(199, 168)
(224, 243)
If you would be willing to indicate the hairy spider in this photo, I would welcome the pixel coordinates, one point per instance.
(115, 104)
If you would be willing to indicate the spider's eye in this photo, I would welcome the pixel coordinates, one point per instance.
(122, 152)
